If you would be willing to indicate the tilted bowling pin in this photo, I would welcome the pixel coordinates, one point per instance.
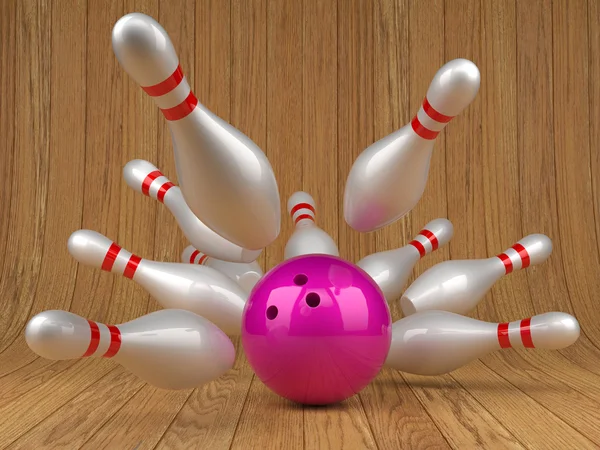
(246, 275)
(170, 349)
(202, 290)
(226, 180)
(307, 237)
(459, 285)
(388, 178)
(438, 342)
(391, 269)
(145, 178)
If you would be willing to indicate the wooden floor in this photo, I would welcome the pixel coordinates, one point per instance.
(313, 83)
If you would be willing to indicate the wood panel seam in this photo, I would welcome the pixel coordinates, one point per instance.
(424, 407)
(175, 416)
(490, 411)
(235, 430)
(59, 407)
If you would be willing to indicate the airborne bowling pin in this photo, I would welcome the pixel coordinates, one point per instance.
(391, 269)
(307, 237)
(170, 349)
(388, 178)
(145, 178)
(438, 342)
(246, 275)
(202, 290)
(459, 285)
(226, 180)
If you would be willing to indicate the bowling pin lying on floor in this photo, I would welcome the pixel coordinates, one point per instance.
(202, 290)
(438, 342)
(388, 178)
(145, 178)
(391, 269)
(458, 286)
(226, 180)
(170, 349)
(307, 237)
(246, 275)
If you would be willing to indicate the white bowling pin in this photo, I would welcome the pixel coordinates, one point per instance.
(307, 237)
(246, 275)
(388, 178)
(438, 342)
(145, 178)
(391, 269)
(459, 285)
(169, 349)
(226, 180)
(202, 290)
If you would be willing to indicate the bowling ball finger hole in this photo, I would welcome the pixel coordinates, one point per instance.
(272, 312)
(300, 279)
(313, 300)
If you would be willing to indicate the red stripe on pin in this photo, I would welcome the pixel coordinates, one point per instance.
(431, 238)
(148, 181)
(435, 115)
(425, 133)
(163, 190)
(111, 256)
(300, 206)
(526, 333)
(202, 260)
(503, 338)
(193, 256)
(508, 265)
(94, 339)
(115, 342)
(526, 260)
(416, 244)
(132, 266)
(166, 86)
(182, 110)
(304, 216)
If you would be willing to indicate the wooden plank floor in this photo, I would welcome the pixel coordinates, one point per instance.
(313, 82)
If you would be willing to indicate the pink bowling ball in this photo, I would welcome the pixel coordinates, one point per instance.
(316, 329)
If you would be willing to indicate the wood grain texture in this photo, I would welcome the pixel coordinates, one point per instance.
(312, 82)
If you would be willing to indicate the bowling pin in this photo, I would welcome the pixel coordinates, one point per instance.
(458, 286)
(438, 342)
(170, 349)
(202, 290)
(391, 269)
(145, 178)
(388, 178)
(226, 180)
(246, 275)
(307, 237)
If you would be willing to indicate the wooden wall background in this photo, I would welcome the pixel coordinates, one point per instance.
(313, 82)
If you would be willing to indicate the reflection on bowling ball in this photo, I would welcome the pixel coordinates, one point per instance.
(316, 329)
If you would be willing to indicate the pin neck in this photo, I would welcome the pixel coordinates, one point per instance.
(304, 219)
(431, 122)
(182, 110)
(516, 254)
(307, 214)
(515, 334)
(420, 247)
(162, 190)
(111, 257)
(203, 258)
(115, 340)
(168, 86)
(429, 238)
